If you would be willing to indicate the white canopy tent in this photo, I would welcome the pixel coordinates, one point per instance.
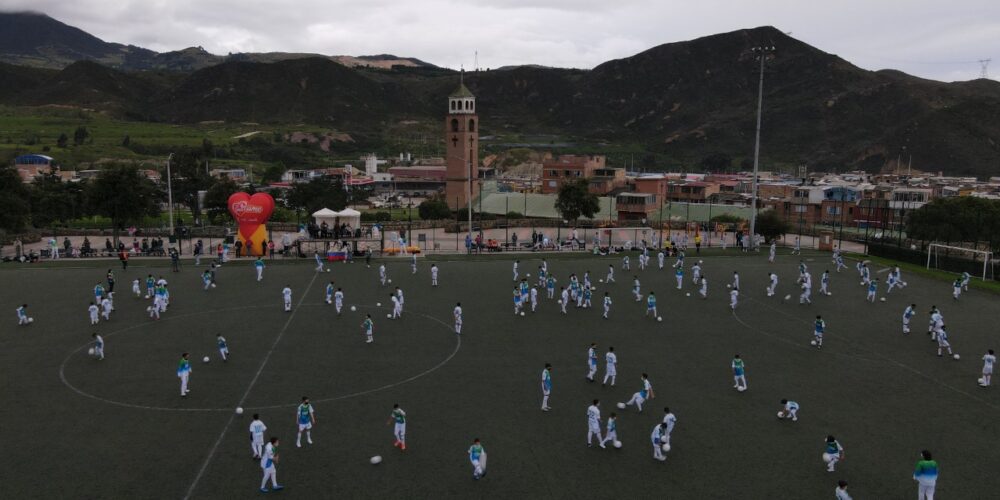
(326, 215)
(351, 217)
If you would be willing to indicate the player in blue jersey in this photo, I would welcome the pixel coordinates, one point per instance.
(651, 305)
(819, 326)
(546, 386)
(259, 266)
(645, 393)
(607, 305)
(789, 409)
(477, 455)
(833, 453)
(220, 341)
(926, 474)
(306, 418)
(329, 292)
(268, 460)
(184, 373)
(908, 314)
(591, 362)
(872, 290)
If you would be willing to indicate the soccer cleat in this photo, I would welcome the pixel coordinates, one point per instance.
(402, 447)
(278, 487)
(298, 444)
(263, 490)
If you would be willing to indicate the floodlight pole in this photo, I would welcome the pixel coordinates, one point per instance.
(170, 196)
(761, 52)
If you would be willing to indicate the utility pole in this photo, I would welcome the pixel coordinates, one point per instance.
(170, 196)
(761, 52)
(985, 63)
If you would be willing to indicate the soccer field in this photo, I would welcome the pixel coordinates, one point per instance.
(75, 427)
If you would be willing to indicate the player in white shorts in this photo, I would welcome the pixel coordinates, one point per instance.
(635, 289)
(399, 430)
(657, 439)
(612, 430)
(610, 366)
(534, 298)
(516, 262)
(660, 256)
(397, 308)
(106, 308)
(645, 393)
(338, 300)
(591, 362)
(184, 373)
(259, 267)
(286, 293)
(789, 409)
(135, 288)
(477, 455)
(771, 252)
(457, 312)
(94, 312)
(268, 459)
(739, 374)
(319, 263)
(833, 453)
(382, 277)
(704, 288)
(563, 299)
(988, 360)
(611, 275)
(696, 272)
(257, 429)
(942, 341)
(908, 313)
(734, 295)
(594, 423)
(306, 418)
(679, 274)
(329, 292)
(607, 305)
(670, 420)
(99, 347)
(22, 315)
(824, 283)
(773, 278)
(434, 275)
(625, 264)
(736, 280)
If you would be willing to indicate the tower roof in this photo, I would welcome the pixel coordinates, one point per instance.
(461, 91)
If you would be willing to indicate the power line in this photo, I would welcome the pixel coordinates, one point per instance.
(985, 63)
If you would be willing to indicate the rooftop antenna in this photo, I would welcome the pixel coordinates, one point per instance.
(985, 63)
(476, 63)
(461, 74)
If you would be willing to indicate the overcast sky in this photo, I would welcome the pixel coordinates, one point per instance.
(934, 39)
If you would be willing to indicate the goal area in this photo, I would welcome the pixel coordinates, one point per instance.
(960, 259)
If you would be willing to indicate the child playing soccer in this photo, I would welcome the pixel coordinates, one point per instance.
(257, 429)
(645, 393)
(223, 346)
(988, 360)
(477, 455)
(739, 375)
(789, 409)
(306, 418)
(399, 430)
(594, 423)
(369, 326)
(546, 386)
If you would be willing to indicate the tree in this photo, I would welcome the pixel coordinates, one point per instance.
(576, 200)
(964, 219)
(718, 162)
(80, 135)
(323, 192)
(434, 209)
(62, 140)
(15, 205)
(770, 226)
(121, 193)
(217, 199)
(189, 177)
(126, 141)
(53, 200)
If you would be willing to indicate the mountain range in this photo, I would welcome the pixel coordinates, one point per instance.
(691, 103)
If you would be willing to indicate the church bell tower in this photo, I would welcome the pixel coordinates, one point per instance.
(461, 134)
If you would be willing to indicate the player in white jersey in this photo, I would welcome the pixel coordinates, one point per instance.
(434, 275)
(890, 282)
(899, 278)
(516, 262)
(773, 278)
(611, 275)
(736, 280)
(223, 346)
(610, 367)
(457, 313)
(94, 313)
(286, 294)
(824, 283)
(477, 455)
(546, 386)
(908, 313)
(798, 247)
(988, 360)
(670, 420)
(305, 416)
(396, 308)
(257, 429)
(645, 393)
(657, 439)
(413, 263)
(402, 300)
(696, 272)
(771, 252)
(99, 346)
(806, 289)
(268, 460)
(956, 288)
(106, 308)
(338, 300)
(382, 277)
(704, 288)
(660, 256)
(734, 296)
(591, 362)
(942, 341)
(607, 305)
(936, 322)
(625, 264)
(635, 289)
(841, 492)
(319, 263)
(840, 263)
(398, 417)
(533, 294)
(22, 315)
(789, 409)
(563, 299)
(872, 290)
(594, 423)
(642, 261)
(135, 288)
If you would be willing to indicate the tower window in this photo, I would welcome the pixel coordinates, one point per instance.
(453, 105)
(468, 105)
(454, 125)
(472, 125)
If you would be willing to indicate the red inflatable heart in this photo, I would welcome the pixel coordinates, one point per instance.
(250, 211)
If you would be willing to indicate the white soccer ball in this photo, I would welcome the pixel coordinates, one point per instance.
(687, 295)
(913, 247)
(812, 342)
(213, 285)
(781, 414)
(378, 304)
(377, 459)
(388, 316)
(788, 297)
(981, 382)
(522, 313)
(600, 280)
(239, 410)
(205, 359)
(390, 281)
(147, 296)
(659, 318)
(728, 285)
(621, 406)
(741, 388)
(957, 357)
(618, 444)
(882, 299)
(861, 282)
(31, 320)
(353, 308)
(665, 447)
(529, 275)
(328, 269)
(91, 352)
(149, 308)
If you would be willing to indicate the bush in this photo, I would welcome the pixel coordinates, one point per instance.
(376, 216)
(726, 219)
(434, 209)
(514, 215)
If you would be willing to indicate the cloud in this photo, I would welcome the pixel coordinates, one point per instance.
(927, 38)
